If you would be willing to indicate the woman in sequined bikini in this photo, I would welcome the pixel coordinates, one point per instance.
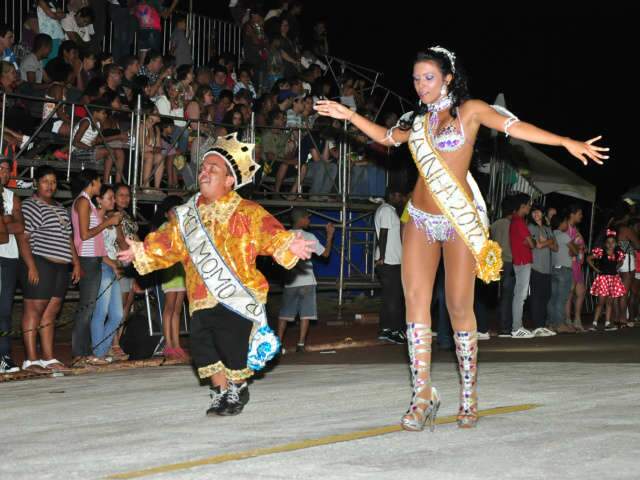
(450, 120)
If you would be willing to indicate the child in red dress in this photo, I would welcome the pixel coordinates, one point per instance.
(608, 285)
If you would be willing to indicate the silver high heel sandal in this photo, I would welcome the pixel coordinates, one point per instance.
(420, 410)
(467, 353)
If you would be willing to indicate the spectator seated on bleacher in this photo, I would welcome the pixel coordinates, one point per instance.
(155, 70)
(245, 82)
(32, 66)
(6, 45)
(224, 105)
(274, 144)
(219, 81)
(78, 26)
(130, 70)
(86, 148)
(69, 54)
(17, 117)
(323, 159)
(60, 123)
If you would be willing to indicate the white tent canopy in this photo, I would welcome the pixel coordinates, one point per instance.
(551, 177)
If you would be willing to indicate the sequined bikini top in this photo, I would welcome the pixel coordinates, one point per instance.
(450, 138)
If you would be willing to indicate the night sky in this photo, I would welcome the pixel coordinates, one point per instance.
(568, 74)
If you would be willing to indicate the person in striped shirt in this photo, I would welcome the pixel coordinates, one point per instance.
(43, 270)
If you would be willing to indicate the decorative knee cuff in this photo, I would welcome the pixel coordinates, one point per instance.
(232, 375)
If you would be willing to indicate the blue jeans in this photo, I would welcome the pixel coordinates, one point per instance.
(89, 289)
(8, 275)
(109, 308)
(561, 281)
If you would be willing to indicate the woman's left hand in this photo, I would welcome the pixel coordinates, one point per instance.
(586, 150)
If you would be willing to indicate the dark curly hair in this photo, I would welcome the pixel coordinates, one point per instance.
(459, 88)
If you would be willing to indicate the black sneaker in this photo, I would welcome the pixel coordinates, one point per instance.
(7, 365)
(218, 401)
(384, 334)
(400, 336)
(300, 348)
(392, 336)
(237, 397)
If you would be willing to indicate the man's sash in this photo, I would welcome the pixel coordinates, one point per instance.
(224, 285)
(221, 281)
(454, 202)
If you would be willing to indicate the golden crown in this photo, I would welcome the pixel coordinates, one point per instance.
(238, 155)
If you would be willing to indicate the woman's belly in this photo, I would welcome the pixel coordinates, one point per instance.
(423, 199)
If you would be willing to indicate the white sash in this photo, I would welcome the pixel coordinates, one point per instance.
(469, 218)
(221, 281)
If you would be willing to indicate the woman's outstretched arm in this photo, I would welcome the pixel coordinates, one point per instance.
(483, 114)
(375, 132)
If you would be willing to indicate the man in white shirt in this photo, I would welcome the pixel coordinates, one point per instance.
(299, 296)
(388, 259)
(32, 66)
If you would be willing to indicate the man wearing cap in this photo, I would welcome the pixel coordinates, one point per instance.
(217, 236)
(299, 297)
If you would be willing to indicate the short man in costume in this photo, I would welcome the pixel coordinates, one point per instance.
(217, 236)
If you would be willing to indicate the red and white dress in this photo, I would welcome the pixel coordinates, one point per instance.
(608, 282)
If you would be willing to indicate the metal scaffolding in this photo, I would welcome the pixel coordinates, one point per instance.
(352, 216)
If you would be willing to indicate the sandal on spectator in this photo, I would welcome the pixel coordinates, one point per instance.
(34, 366)
(98, 362)
(117, 354)
(79, 362)
(55, 365)
(180, 353)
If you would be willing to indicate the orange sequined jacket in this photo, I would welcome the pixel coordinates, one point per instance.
(241, 230)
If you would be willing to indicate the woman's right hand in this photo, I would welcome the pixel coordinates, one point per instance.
(329, 108)
(115, 219)
(34, 276)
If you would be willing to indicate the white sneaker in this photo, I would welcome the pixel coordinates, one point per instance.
(522, 333)
(484, 336)
(543, 332)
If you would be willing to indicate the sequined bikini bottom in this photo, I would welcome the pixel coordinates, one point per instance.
(437, 228)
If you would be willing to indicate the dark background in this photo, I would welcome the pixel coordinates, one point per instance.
(570, 74)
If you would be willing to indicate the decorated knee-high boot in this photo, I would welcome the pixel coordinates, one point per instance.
(425, 401)
(467, 353)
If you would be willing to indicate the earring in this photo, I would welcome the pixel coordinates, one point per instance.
(443, 90)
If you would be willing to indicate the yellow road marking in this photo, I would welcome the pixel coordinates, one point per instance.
(293, 446)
